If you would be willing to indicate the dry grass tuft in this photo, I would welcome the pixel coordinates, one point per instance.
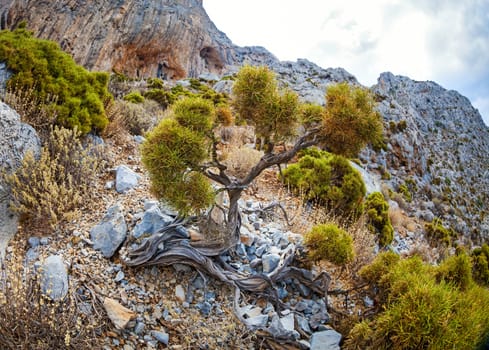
(32, 109)
(130, 118)
(29, 320)
(239, 161)
(48, 190)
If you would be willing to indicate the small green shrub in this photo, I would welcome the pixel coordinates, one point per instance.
(419, 311)
(195, 114)
(163, 97)
(456, 270)
(350, 121)
(134, 97)
(404, 190)
(437, 233)
(480, 262)
(378, 220)
(311, 114)
(327, 179)
(41, 65)
(224, 115)
(49, 190)
(329, 242)
(155, 83)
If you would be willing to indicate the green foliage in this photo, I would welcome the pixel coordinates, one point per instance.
(134, 97)
(173, 152)
(43, 66)
(163, 97)
(480, 262)
(311, 114)
(402, 125)
(49, 190)
(224, 115)
(437, 233)
(378, 219)
(404, 190)
(155, 83)
(421, 311)
(399, 127)
(329, 242)
(456, 270)
(195, 114)
(350, 121)
(327, 179)
(382, 264)
(258, 101)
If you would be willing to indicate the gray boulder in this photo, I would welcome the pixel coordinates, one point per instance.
(16, 139)
(109, 234)
(326, 340)
(153, 220)
(125, 179)
(270, 262)
(54, 278)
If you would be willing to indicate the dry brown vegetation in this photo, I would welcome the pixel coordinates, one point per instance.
(30, 320)
(54, 187)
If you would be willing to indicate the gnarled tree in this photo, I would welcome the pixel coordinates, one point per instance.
(181, 154)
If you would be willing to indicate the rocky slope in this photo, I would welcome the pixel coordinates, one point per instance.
(438, 142)
(438, 147)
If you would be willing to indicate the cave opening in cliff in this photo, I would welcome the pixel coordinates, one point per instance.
(212, 58)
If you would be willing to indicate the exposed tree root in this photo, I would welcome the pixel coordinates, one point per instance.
(172, 246)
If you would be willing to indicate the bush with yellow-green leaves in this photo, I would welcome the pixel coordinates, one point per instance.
(42, 66)
(422, 306)
(378, 221)
(327, 179)
(329, 242)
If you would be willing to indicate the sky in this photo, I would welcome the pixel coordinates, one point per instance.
(445, 41)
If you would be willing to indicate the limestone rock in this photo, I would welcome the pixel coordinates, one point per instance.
(438, 141)
(170, 39)
(179, 293)
(162, 337)
(118, 314)
(5, 74)
(16, 139)
(54, 278)
(153, 220)
(270, 262)
(109, 234)
(125, 179)
(326, 340)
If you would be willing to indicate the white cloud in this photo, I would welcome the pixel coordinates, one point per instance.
(444, 41)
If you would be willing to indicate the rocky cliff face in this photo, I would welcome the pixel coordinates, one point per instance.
(142, 38)
(438, 147)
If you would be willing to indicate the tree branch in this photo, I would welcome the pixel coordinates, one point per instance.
(307, 140)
